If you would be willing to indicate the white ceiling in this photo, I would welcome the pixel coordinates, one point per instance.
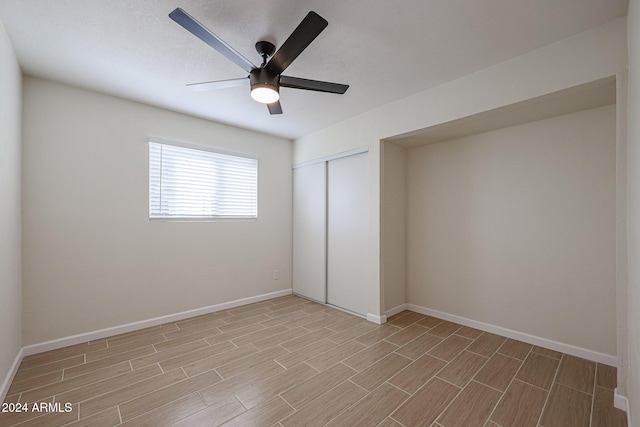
(385, 50)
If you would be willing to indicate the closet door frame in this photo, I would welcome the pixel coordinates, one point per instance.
(300, 286)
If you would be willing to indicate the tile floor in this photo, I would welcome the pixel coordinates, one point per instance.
(291, 362)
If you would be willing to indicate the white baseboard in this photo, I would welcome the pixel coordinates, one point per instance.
(379, 320)
(572, 350)
(4, 389)
(129, 327)
(621, 402)
(395, 310)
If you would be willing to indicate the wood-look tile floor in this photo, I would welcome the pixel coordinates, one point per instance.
(291, 362)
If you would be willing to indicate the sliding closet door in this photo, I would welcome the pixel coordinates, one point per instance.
(309, 232)
(347, 232)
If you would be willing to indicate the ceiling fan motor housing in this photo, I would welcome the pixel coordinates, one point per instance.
(264, 77)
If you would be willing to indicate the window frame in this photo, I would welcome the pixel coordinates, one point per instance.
(203, 148)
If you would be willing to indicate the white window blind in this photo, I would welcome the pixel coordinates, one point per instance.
(186, 182)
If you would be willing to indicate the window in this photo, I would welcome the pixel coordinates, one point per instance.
(200, 183)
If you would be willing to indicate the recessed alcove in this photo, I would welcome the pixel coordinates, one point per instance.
(508, 217)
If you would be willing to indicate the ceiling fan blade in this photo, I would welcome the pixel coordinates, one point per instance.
(219, 84)
(318, 86)
(275, 108)
(310, 27)
(204, 34)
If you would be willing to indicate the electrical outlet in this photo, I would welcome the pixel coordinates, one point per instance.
(276, 274)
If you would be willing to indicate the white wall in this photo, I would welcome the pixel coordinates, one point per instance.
(586, 57)
(394, 225)
(516, 228)
(633, 375)
(92, 259)
(10, 209)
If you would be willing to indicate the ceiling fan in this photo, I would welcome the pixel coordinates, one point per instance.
(267, 79)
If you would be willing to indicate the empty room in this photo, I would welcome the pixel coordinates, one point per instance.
(433, 221)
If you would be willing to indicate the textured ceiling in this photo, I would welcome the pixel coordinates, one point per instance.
(384, 50)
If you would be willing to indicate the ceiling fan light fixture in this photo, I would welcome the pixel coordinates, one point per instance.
(265, 93)
(264, 86)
